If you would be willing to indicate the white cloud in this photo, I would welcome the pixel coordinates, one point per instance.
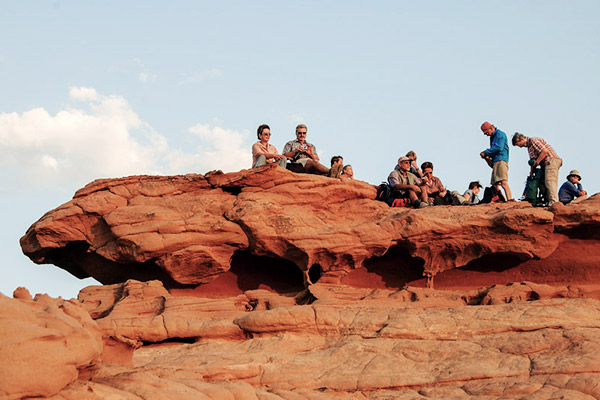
(82, 93)
(104, 140)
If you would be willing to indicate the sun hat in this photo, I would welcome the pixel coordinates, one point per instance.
(403, 158)
(574, 172)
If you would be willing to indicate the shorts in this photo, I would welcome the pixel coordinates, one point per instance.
(302, 161)
(499, 172)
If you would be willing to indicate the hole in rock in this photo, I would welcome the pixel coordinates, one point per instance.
(314, 273)
(235, 190)
(250, 272)
(395, 269)
(583, 231)
(76, 259)
(575, 261)
(173, 340)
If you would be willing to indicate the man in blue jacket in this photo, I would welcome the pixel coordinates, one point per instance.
(497, 156)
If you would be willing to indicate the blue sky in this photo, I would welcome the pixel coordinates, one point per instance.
(107, 89)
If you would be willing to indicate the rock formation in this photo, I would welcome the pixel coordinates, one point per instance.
(189, 230)
(270, 285)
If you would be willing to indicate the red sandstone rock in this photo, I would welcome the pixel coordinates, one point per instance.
(273, 285)
(188, 229)
(44, 343)
(353, 343)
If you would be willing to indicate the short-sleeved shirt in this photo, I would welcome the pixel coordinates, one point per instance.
(535, 145)
(434, 186)
(473, 198)
(396, 177)
(292, 145)
(259, 149)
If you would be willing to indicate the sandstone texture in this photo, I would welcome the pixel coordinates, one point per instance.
(270, 285)
(348, 343)
(44, 344)
(190, 230)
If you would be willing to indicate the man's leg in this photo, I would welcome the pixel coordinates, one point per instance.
(551, 179)
(506, 188)
(313, 166)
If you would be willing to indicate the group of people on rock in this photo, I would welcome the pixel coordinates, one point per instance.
(418, 186)
(298, 152)
(542, 158)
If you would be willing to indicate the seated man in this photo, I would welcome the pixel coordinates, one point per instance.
(337, 164)
(406, 184)
(571, 191)
(432, 185)
(300, 151)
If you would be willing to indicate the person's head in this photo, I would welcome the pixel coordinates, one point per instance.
(336, 160)
(574, 176)
(427, 168)
(347, 170)
(404, 163)
(475, 186)
(412, 155)
(301, 132)
(488, 129)
(264, 128)
(519, 139)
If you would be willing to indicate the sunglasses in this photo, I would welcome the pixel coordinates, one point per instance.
(300, 133)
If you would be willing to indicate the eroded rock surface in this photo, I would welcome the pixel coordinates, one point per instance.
(522, 340)
(44, 344)
(185, 230)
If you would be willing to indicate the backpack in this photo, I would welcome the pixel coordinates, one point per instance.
(384, 193)
(492, 195)
(533, 193)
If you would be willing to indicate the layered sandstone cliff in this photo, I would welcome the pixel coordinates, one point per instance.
(270, 285)
(190, 230)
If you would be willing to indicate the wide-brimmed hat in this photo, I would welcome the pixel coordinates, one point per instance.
(574, 173)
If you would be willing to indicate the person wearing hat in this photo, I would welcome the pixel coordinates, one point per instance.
(544, 156)
(406, 184)
(571, 191)
(497, 156)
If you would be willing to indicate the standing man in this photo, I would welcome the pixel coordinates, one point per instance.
(300, 151)
(406, 184)
(544, 155)
(497, 156)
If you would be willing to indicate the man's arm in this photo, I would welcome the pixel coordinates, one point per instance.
(288, 152)
(541, 157)
(312, 152)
